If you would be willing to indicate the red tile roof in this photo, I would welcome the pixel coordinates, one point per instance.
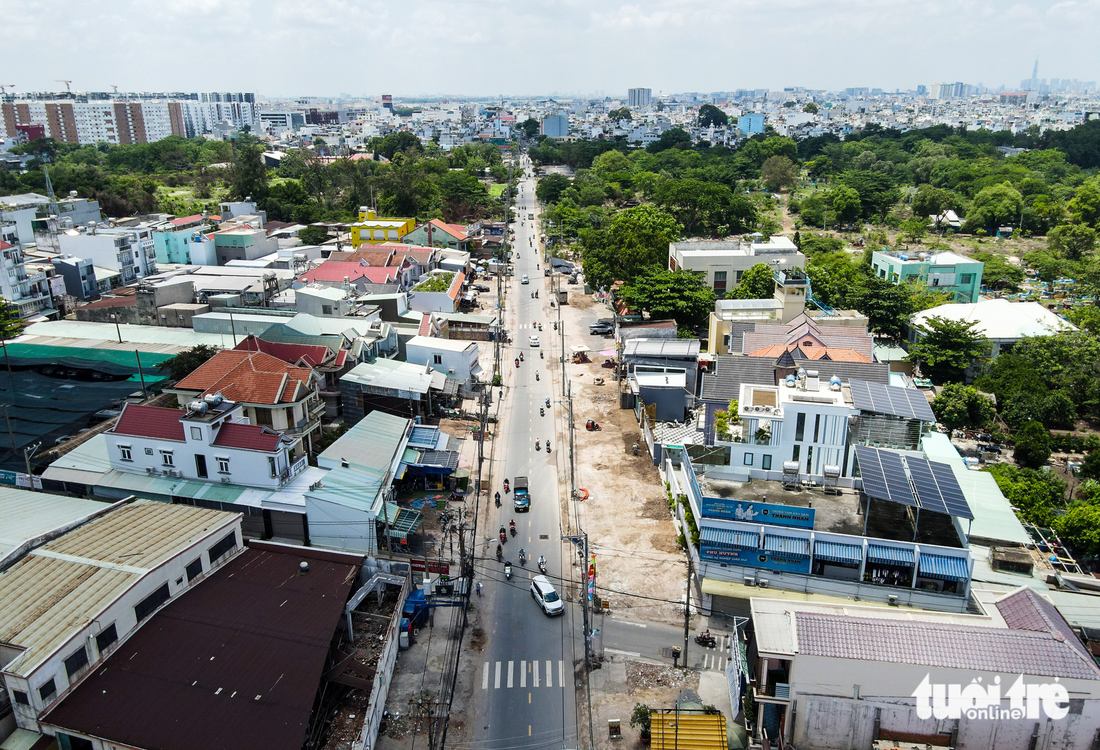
(184, 220)
(338, 270)
(150, 422)
(249, 437)
(5, 246)
(289, 353)
(455, 230)
(110, 302)
(456, 285)
(250, 377)
(425, 325)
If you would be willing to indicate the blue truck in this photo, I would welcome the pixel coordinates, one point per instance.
(520, 497)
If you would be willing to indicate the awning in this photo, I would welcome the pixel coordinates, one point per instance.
(402, 521)
(787, 545)
(889, 555)
(578, 348)
(943, 567)
(730, 537)
(838, 553)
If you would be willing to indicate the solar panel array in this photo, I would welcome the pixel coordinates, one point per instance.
(937, 488)
(883, 476)
(887, 399)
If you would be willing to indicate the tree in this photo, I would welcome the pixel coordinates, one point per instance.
(1090, 467)
(1085, 206)
(887, 306)
(184, 363)
(680, 295)
(671, 138)
(845, 204)
(778, 172)
(837, 280)
(811, 108)
(11, 325)
(998, 273)
(994, 206)
(933, 201)
(756, 283)
(1072, 240)
(1080, 529)
(947, 348)
(248, 175)
(640, 719)
(958, 406)
(1034, 494)
(914, 229)
(551, 187)
(621, 114)
(530, 127)
(313, 235)
(705, 206)
(1032, 445)
(633, 240)
(711, 115)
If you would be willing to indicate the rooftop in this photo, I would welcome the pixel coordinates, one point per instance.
(150, 422)
(239, 659)
(390, 374)
(248, 437)
(638, 347)
(29, 517)
(250, 377)
(1000, 318)
(87, 569)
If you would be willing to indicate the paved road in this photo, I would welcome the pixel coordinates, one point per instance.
(524, 690)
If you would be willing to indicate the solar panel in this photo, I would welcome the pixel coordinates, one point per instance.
(887, 399)
(952, 493)
(928, 491)
(883, 476)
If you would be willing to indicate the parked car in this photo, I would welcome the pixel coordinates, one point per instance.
(601, 329)
(480, 288)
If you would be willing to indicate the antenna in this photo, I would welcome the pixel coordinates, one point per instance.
(4, 88)
(68, 86)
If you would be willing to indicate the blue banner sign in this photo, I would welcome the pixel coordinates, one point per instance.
(764, 513)
(754, 558)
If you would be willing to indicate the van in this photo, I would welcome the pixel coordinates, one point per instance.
(543, 592)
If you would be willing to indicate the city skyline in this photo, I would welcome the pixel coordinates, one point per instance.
(368, 49)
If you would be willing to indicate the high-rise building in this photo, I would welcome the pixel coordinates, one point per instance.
(555, 126)
(639, 97)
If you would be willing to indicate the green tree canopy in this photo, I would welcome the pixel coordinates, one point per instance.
(620, 115)
(313, 235)
(887, 306)
(633, 240)
(998, 273)
(1080, 529)
(680, 295)
(778, 172)
(810, 108)
(249, 175)
(756, 283)
(1036, 495)
(994, 206)
(711, 115)
(530, 127)
(1072, 240)
(671, 138)
(703, 207)
(184, 363)
(551, 187)
(1032, 445)
(947, 348)
(958, 406)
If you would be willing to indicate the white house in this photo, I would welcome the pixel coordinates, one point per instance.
(1002, 322)
(437, 292)
(455, 357)
(723, 263)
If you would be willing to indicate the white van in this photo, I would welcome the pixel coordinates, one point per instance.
(546, 596)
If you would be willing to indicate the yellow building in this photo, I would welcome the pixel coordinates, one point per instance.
(370, 230)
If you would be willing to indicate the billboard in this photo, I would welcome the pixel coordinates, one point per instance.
(750, 512)
(754, 558)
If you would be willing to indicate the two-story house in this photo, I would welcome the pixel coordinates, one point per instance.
(272, 393)
(943, 271)
(29, 292)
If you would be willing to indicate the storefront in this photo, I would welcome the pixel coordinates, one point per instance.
(889, 566)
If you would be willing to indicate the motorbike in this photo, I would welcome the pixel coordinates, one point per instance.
(500, 553)
(592, 426)
(517, 363)
(542, 564)
(547, 403)
(521, 356)
(536, 297)
(538, 445)
(706, 639)
(522, 558)
(534, 323)
(548, 446)
(540, 354)
(497, 498)
(508, 571)
(503, 536)
(512, 527)
(542, 412)
(505, 486)
(536, 376)
(540, 324)
(532, 295)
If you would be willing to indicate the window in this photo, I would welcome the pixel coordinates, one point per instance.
(935, 281)
(810, 459)
(47, 691)
(223, 465)
(797, 451)
(766, 462)
(166, 458)
(106, 638)
(739, 275)
(148, 451)
(326, 309)
(800, 427)
(437, 359)
(748, 459)
(21, 698)
(76, 662)
(271, 465)
(967, 278)
(719, 281)
(146, 606)
(196, 433)
(194, 569)
(227, 543)
(124, 453)
(817, 428)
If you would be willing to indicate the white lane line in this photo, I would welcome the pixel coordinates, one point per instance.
(535, 676)
(523, 674)
(621, 653)
(561, 673)
(485, 677)
(496, 682)
(549, 675)
(511, 664)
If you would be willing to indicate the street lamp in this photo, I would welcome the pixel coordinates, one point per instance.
(118, 329)
(27, 459)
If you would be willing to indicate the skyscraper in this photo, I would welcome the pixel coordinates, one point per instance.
(639, 97)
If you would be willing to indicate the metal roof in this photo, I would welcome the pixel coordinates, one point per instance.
(984, 649)
(62, 586)
(886, 399)
(661, 347)
(31, 515)
(679, 730)
(389, 374)
(837, 552)
(107, 332)
(239, 659)
(370, 445)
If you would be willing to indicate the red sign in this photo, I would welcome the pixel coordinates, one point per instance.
(433, 567)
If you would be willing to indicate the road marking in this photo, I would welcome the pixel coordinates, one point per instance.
(628, 622)
(535, 676)
(496, 682)
(621, 653)
(485, 677)
(523, 674)
(528, 730)
(511, 664)
(528, 697)
(549, 674)
(561, 673)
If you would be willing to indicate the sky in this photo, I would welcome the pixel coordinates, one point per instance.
(539, 47)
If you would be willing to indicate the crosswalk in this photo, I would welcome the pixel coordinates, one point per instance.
(536, 673)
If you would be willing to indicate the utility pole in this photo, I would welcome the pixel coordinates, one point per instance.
(687, 604)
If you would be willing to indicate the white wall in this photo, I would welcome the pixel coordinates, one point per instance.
(461, 362)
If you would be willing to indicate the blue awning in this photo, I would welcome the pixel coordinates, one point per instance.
(730, 537)
(787, 545)
(943, 567)
(889, 555)
(838, 553)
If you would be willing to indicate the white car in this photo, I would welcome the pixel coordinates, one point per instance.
(524, 279)
(533, 340)
(546, 596)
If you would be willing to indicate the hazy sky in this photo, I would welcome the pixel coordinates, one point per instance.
(491, 47)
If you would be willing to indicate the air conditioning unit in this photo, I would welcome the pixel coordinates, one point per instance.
(226, 480)
(750, 581)
(892, 600)
(762, 583)
(778, 412)
(150, 470)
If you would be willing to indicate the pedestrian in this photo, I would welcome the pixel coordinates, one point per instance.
(478, 587)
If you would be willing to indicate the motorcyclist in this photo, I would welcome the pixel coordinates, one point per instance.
(521, 356)
(500, 550)
(540, 353)
(517, 362)
(522, 555)
(512, 525)
(497, 498)
(547, 403)
(542, 411)
(536, 375)
(542, 561)
(538, 446)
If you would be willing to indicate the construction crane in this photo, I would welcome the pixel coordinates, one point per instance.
(113, 86)
(68, 86)
(4, 88)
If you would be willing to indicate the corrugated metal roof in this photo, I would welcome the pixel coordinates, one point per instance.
(370, 445)
(62, 586)
(661, 348)
(28, 515)
(239, 660)
(391, 375)
(676, 730)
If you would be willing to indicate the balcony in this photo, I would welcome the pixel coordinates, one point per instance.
(304, 426)
(295, 469)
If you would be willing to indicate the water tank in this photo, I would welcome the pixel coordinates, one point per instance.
(790, 381)
(210, 398)
(197, 406)
(834, 383)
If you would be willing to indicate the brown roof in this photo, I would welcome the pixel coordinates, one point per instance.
(236, 662)
(372, 256)
(150, 422)
(250, 377)
(247, 436)
(110, 302)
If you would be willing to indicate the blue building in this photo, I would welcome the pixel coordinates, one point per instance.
(555, 126)
(751, 124)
